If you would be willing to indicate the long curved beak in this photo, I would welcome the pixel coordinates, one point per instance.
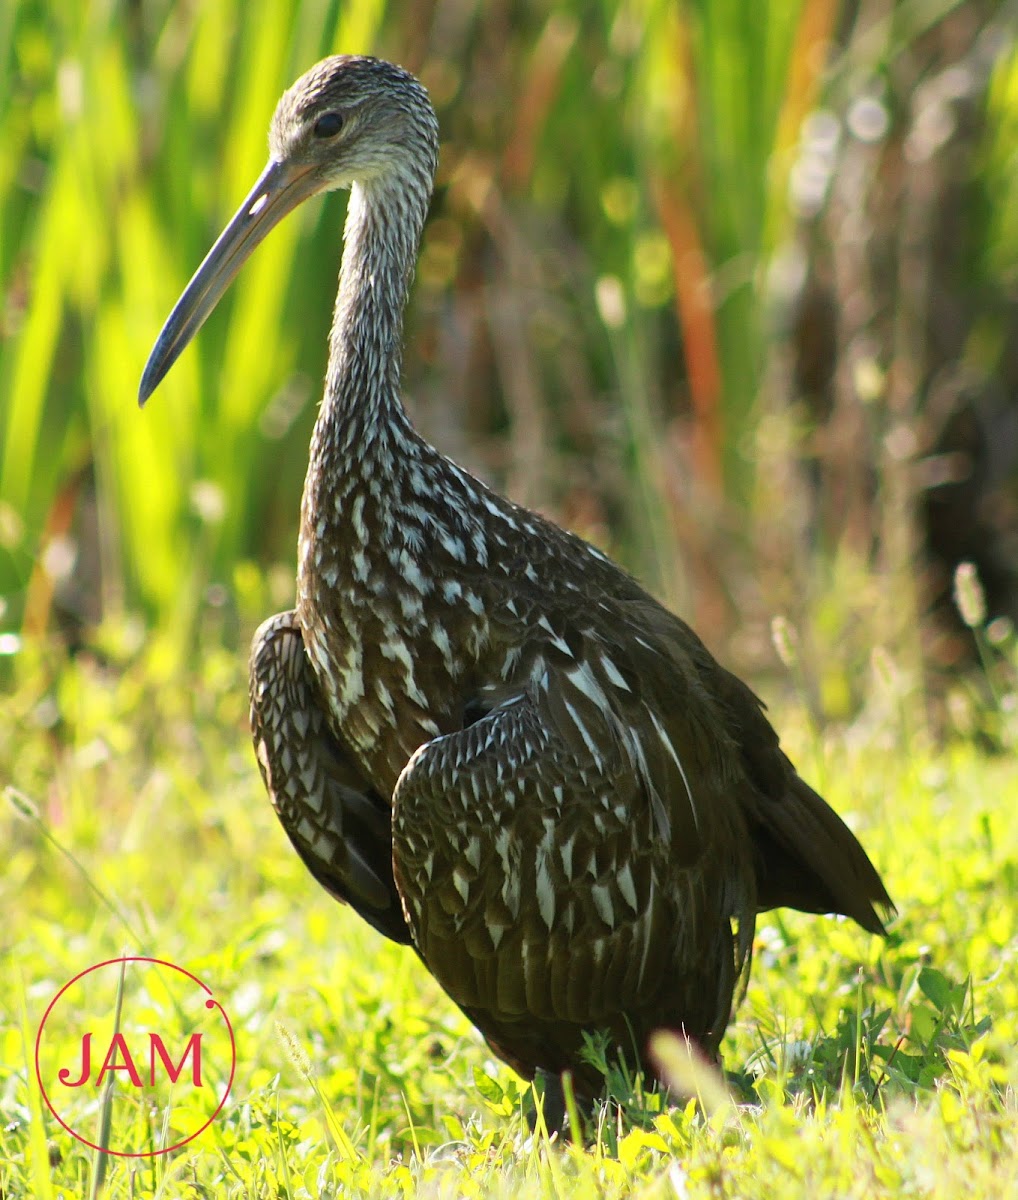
(280, 188)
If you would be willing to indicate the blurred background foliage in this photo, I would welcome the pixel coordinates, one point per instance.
(729, 288)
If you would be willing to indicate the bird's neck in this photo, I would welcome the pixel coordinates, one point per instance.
(361, 413)
(363, 449)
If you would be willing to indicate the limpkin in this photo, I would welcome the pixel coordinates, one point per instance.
(475, 728)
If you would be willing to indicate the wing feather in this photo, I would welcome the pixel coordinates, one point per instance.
(339, 826)
(584, 910)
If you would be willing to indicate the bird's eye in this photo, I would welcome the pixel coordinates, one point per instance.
(328, 125)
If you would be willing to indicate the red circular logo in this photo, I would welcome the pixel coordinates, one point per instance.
(133, 1052)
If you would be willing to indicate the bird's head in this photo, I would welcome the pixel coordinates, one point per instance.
(352, 119)
(348, 120)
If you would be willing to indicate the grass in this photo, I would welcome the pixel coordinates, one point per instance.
(857, 1067)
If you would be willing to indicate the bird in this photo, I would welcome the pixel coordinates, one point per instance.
(476, 729)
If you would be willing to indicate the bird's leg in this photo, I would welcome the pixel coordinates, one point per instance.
(550, 1103)
(338, 824)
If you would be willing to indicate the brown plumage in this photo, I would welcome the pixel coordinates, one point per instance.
(475, 728)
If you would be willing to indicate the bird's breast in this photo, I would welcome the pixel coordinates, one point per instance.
(394, 647)
(408, 577)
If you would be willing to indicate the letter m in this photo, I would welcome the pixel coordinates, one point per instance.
(193, 1048)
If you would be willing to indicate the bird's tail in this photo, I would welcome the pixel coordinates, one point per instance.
(807, 858)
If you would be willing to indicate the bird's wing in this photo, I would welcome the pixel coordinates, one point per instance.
(338, 824)
(559, 860)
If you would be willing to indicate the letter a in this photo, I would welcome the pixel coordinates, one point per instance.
(110, 1063)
